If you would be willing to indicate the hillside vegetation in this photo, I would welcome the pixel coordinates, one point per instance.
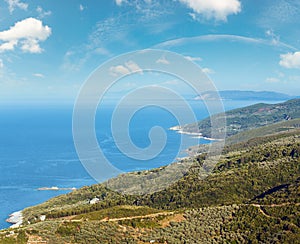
(250, 117)
(251, 196)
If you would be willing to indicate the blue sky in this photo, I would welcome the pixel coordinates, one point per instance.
(49, 48)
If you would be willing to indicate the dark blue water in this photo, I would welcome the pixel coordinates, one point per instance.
(37, 150)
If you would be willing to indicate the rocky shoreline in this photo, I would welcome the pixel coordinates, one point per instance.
(180, 130)
(16, 219)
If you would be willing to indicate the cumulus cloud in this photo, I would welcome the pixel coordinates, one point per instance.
(7, 46)
(128, 68)
(31, 46)
(213, 9)
(13, 4)
(27, 33)
(290, 60)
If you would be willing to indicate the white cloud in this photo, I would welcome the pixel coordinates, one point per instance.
(39, 75)
(28, 33)
(27, 28)
(270, 33)
(171, 82)
(7, 46)
(276, 13)
(116, 30)
(133, 67)
(31, 46)
(208, 71)
(213, 9)
(1, 64)
(275, 39)
(13, 4)
(128, 68)
(149, 11)
(193, 58)
(272, 80)
(119, 70)
(193, 15)
(102, 51)
(290, 60)
(81, 7)
(162, 60)
(42, 13)
(119, 2)
(220, 37)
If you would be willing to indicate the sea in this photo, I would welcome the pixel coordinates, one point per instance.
(37, 149)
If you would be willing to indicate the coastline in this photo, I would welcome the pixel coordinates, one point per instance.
(55, 188)
(16, 219)
(179, 130)
(199, 135)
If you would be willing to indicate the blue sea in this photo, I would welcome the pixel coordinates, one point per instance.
(37, 149)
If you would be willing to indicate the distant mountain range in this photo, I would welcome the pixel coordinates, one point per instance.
(245, 95)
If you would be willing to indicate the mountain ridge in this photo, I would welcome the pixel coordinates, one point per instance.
(245, 95)
(246, 118)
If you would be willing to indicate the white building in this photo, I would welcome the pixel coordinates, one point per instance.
(94, 200)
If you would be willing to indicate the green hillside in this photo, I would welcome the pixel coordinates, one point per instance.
(252, 196)
(250, 117)
(276, 128)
